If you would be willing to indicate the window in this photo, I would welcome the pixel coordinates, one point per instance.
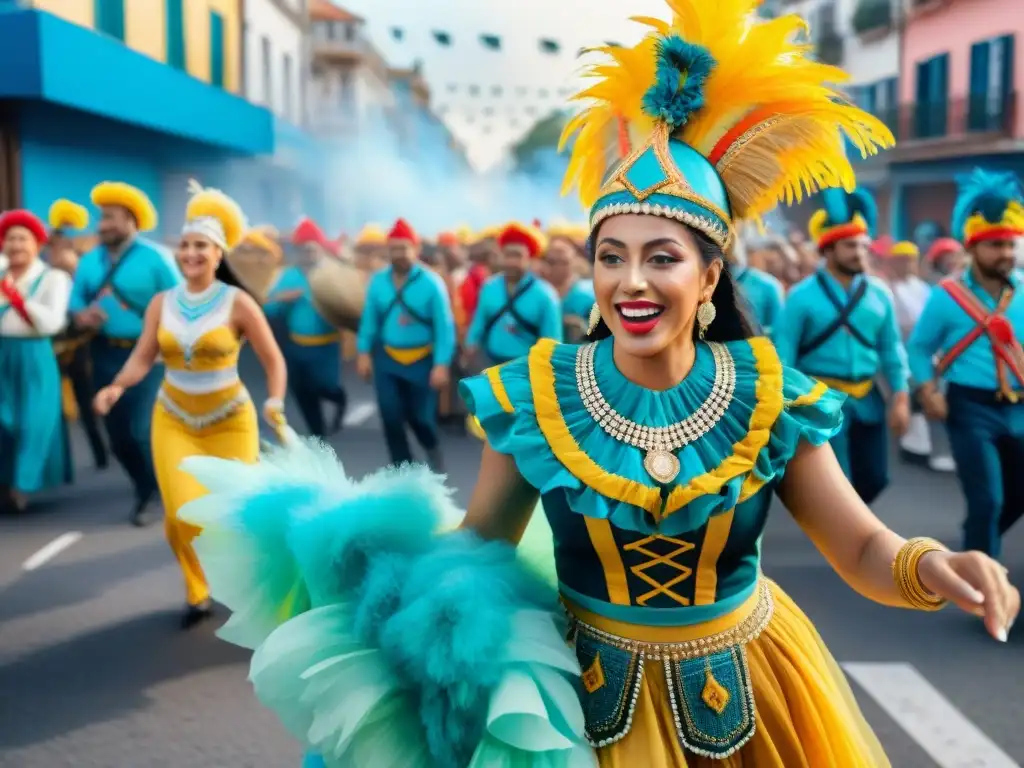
(286, 86)
(347, 94)
(932, 97)
(175, 27)
(991, 83)
(109, 17)
(350, 33)
(216, 49)
(268, 74)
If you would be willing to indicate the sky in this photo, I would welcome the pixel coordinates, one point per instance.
(487, 124)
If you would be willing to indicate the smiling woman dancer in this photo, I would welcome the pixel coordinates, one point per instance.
(656, 448)
(202, 409)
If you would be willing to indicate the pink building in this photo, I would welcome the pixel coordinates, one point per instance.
(962, 68)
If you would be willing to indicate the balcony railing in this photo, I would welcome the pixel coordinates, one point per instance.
(953, 119)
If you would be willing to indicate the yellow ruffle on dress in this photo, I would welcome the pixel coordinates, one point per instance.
(806, 715)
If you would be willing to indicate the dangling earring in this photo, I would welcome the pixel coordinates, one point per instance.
(595, 319)
(706, 314)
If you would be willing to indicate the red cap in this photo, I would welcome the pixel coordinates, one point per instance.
(537, 224)
(26, 219)
(403, 231)
(882, 246)
(517, 234)
(448, 239)
(307, 231)
(941, 247)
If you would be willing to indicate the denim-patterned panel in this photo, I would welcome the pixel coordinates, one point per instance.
(713, 702)
(609, 686)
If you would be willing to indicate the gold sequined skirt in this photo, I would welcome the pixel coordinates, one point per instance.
(805, 713)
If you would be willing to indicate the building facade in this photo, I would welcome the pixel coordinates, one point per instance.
(350, 88)
(137, 90)
(275, 60)
(962, 70)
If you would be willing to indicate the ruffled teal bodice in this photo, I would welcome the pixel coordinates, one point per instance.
(620, 536)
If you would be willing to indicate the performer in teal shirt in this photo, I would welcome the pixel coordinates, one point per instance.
(969, 334)
(112, 288)
(763, 293)
(839, 325)
(407, 343)
(312, 348)
(516, 308)
(575, 292)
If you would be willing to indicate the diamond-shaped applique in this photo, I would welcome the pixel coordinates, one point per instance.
(593, 676)
(645, 175)
(714, 695)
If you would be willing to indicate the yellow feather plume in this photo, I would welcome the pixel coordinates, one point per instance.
(217, 205)
(772, 121)
(65, 214)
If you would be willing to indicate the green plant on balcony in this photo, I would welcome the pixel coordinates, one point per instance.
(829, 48)
(872, 14)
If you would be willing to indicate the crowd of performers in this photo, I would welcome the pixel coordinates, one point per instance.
(703, 387)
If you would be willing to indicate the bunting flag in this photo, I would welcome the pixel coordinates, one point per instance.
(398, 33)
(549, 46)
(491, 41)
(443, 38)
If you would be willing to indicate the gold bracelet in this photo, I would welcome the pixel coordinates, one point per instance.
(908, 579)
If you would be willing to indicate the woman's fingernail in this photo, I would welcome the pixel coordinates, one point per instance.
(1001, 635)
(977, 597)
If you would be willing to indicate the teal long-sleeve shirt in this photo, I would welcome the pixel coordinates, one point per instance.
(763, 293)
(538, 305)
(425, 320)
(300, 315)
(808, 311)
(145, 271)
(579, 300)
(943, 324)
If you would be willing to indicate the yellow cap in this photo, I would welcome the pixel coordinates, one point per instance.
(65, 214)
(126, 196)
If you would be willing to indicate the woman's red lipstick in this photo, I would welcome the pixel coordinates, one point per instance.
(639, 317)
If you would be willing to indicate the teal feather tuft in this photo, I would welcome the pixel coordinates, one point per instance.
(986, 192)
(678, 90)
(841, 206)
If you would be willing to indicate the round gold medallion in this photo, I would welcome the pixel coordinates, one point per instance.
(661, 465)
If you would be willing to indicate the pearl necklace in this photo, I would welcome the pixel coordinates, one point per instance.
(659, 443)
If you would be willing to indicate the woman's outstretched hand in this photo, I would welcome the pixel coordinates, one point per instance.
(975, 583)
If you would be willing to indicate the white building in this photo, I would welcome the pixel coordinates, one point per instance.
(276, 56)
(864, 35)
(350, 86)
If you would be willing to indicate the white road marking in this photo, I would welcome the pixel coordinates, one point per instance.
(51, 550)
(939, 728)
(359, 414)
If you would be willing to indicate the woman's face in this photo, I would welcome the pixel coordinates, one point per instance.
(20, 247)
(198, 257)
(649, 278)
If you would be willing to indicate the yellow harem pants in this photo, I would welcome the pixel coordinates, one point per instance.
(234, 437)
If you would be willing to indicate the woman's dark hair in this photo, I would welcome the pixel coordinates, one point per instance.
(732, 322)
(227, 276)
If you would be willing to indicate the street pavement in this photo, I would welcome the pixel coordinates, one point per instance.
(95, 673)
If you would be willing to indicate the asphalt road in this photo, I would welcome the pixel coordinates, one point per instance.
(94, 672)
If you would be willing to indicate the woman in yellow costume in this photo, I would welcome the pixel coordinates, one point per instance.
(656, 448)
(203, 409)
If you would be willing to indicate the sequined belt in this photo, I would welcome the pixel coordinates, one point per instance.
(708, 681)
(197, 421)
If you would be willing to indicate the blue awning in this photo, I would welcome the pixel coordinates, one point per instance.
(44, 57)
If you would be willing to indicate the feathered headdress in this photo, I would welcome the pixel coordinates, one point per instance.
(989, 206)
(527, 235)
(65, 214)
(212, 213)
(843, 214)
(132, 199)
(713, 118)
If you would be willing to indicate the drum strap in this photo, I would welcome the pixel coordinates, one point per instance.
(510, 308)
(400, 302)
(108, 283)
(844, 313)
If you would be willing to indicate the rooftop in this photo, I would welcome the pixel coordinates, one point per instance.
(324, 10)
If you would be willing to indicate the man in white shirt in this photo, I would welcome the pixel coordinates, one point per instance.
(910, 293)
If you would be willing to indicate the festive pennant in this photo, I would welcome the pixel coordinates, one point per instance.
(443, 38)
(398, 33)
(453, 87)
(474, 90)
(543, 93)
(521, 90)
(493, 42)
(496, 90)
(549, 46)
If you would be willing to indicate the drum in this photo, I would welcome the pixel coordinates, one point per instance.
(256, 269)
(339, 292)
